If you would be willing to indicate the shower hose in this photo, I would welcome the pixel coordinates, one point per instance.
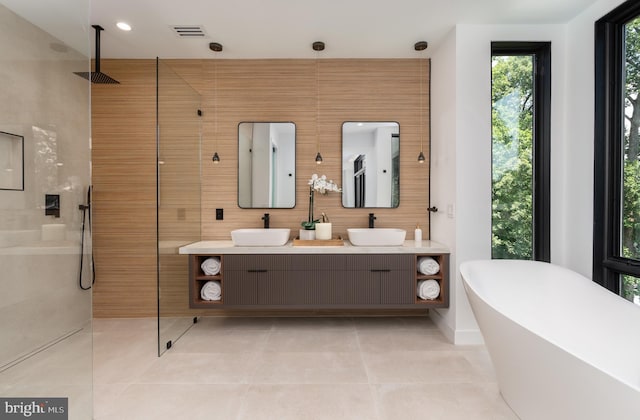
(86, 208)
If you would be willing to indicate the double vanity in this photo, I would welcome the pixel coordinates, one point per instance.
(254, 273)
(374, 268)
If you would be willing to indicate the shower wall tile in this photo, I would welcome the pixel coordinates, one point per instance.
(42, 100)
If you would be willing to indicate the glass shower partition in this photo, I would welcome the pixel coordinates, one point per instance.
(46, 351)
(178, 198)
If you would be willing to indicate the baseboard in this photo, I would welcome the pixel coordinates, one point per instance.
(457, 337)
(438, 319)
(468, 338)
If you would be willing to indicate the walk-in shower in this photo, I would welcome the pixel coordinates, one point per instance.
(45, 318)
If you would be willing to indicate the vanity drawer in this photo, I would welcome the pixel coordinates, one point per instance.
(235, 262)
(314, 262)
(375, 262)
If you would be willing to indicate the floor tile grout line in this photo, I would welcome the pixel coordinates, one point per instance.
(250, 379)
(372, 391)
(260, 354)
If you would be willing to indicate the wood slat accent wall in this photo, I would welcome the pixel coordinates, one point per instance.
(179, 180)
(124, 190)
(285, 90)
(242, 90)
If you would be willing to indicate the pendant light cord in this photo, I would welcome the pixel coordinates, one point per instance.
(421, 46)
(317, 47)
(216, 47)
(215, 100)
(421, 108)
(317, 102)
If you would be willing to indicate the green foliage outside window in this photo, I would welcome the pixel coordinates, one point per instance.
(512, 173)
(631, 164)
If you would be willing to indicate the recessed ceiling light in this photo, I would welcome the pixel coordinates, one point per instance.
(123, 26)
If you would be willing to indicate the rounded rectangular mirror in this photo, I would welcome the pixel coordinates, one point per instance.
(370, 164)
(266, 165)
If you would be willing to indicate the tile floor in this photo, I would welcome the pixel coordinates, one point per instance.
(62, 370)
(266, 368)
(292, 368)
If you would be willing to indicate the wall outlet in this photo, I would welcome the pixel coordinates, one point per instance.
(219, 214)
(182, 214)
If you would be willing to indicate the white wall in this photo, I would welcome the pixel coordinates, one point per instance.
(383, 159)
(443, 166)
(461, 148)
(261, 165)
(285, 169)
(467, 163)
(245, 133)
(577, 191)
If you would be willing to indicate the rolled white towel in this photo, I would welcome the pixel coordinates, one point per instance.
(211, 266)
(428, 289)
(211, 290)
(428, 266)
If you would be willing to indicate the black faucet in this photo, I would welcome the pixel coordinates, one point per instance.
(266, 220)
(371, 219)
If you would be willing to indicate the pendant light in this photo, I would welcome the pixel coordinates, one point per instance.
(317, 47)
(215, 47)
(421, 46)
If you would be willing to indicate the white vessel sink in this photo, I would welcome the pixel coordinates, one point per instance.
(376, 236)
(260, 237)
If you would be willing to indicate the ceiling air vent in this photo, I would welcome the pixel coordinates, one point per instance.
(189, 31)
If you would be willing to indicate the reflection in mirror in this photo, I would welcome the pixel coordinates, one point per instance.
(266, 165)
(370, 164)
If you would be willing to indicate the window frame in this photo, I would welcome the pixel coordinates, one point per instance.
(541, 148)
(608, 265)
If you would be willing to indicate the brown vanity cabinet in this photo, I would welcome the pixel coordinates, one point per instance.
(388, 277)
(258, 280)
(319, 281)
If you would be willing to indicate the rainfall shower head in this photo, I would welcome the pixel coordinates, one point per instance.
(97, 76)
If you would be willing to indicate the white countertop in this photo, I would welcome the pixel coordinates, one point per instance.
(227, 247)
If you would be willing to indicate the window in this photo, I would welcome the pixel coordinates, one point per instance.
(616, 251)
(520, 120)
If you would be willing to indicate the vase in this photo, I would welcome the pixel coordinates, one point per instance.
(307, 235)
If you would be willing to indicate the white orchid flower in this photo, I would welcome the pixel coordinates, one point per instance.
(322, 185)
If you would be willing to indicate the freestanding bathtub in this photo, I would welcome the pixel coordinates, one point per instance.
(562, 346)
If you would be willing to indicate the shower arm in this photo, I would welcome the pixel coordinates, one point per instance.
(98, 29)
